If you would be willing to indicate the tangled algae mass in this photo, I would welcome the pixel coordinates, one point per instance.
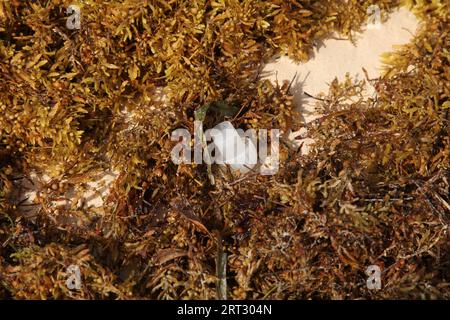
(79, 104)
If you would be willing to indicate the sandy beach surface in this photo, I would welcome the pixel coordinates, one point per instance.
(334, 58)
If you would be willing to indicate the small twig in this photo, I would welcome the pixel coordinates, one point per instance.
(311, 96)
(392, 199)
(221, 270)
(290, 83)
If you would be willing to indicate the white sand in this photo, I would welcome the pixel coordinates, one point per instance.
(94, 192)
(335, 58)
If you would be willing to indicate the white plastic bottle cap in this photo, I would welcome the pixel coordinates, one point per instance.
(239, 152)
